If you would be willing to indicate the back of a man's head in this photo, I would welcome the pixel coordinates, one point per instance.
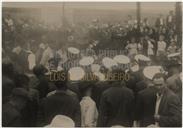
(62, 83)
(39, 70)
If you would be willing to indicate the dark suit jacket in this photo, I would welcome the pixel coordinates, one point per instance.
(59, 103)
(97, 91)
(116, 107)
(11, 116)
(141, 85)
(42, 86)
(169, 109)
(145, 106)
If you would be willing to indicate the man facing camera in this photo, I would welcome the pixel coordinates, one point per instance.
(160, 108)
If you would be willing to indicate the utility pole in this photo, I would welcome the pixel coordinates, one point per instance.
(138, 14)
(178, 22)
(63, 14)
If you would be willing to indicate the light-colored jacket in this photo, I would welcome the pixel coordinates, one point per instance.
(89, 113)
(47, 55)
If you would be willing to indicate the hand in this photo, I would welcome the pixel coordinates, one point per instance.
(157, 117)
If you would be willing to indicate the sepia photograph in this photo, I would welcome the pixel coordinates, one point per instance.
(91, 64)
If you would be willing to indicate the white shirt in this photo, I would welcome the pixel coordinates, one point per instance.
(132, 48)
(63, 55)
(89, 113)
(31, 61)
(170, 19)
(140, 47)
(9, 22)
(161, 46)
(161, 21)
(150, 48)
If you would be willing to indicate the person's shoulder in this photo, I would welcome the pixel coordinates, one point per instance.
(87, 101)
(147, 91)
(107, 91)
(170, 94)
(171, 78)
(172, 97)
(128, 90)
(59, 96)
(33, 92)
(70, 92)
(116, 90)
(10, 111)
(51, 93)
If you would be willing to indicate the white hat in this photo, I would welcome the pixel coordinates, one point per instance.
(95, 67)
(61, 121)
(73, 50)
(117, 126)
(100, 75)
(150, 71)
(85, 61)
(142, 57)
(42, 46)
(108, 62)
(76, 73)
(59, 68)
(16, 49)
(95, 42)
(122, 59)
(135, 68)
(173, 54)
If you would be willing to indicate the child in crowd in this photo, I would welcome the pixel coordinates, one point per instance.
(161, 45)
(132, 47)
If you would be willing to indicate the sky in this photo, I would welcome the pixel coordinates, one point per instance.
(97, 5)
(52, 10)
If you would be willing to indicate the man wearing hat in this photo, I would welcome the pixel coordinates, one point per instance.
(11, 111)
(158, 106)
(116, 106)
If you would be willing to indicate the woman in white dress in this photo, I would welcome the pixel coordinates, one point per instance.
(132, 48)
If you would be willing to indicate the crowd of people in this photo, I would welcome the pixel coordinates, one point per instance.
(43, 69)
